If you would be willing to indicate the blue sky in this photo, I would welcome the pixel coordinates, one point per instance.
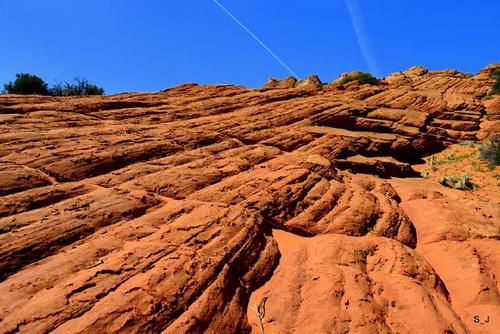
(149, 45)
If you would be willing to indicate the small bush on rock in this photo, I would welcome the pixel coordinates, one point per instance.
(490, 152)
(26, 83)
(495, 89)
(362, 77)
(81, 87)
(460, 183)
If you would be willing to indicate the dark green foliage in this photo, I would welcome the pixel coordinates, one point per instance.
(490, 152)
(362, 77)
(26, 83)
(495, 74)
(495, 89)
(31, 84)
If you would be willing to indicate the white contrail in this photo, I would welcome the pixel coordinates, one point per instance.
(364, 45)
(257, 39)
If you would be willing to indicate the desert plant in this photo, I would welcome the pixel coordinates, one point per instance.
(448, 181)
(490, 152)
(460, 183)
(477, 167)
(26, 83)
(495, 74)
(81, 87)
(57, 89)
(362, 77)
(495, 88)
(465, 182)
(86, 88)
(452, 158)
(432, 163)
(260, 309)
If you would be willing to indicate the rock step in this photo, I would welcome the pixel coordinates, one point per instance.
(451, 135)
(458, 116)
(381, 166)
(455, 125)
(350, 133)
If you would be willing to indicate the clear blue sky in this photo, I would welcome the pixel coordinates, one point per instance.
(148, 45)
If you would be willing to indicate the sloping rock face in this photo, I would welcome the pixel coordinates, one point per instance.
(199, 208)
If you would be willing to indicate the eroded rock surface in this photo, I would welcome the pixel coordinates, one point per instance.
(179, 211)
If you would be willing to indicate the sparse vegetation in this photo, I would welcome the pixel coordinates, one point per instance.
(457, 166)
(81, 87)
(478, 166)
(260, 309)
(449, 158)
(467, 143)
(495, 89)
(26, 83)
(424, 174)
(460, 183)
(488, 115)
(452, 158)
(490, 152)
(362, 77)
(432, 163)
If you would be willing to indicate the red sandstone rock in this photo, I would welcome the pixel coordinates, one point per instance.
(310, 83)
(180, 211)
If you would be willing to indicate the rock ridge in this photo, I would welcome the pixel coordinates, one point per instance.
(182, 210)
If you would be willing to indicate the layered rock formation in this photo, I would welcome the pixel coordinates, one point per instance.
(199, 208)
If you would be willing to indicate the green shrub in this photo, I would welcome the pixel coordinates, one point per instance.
(495, 74)
(460, 183)
(26, 83)
(424, 174)
(362, 77)
(495, 89)
(490, 152)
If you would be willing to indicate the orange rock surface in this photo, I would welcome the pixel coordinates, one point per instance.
(200, 208)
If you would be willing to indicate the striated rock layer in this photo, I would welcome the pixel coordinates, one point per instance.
(199, 208)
